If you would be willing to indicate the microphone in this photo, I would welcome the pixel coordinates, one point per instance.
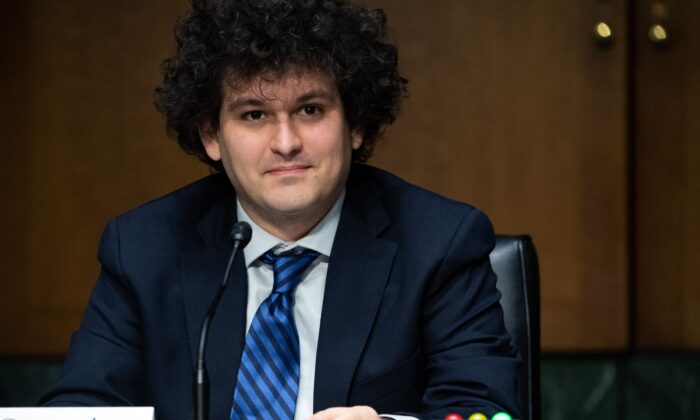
(240, 235)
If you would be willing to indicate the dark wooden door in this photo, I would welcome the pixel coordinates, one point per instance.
(667, 152)
(515, 107)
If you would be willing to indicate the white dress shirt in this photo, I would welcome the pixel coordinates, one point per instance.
(308, 296)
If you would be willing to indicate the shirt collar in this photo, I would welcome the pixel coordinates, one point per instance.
(319, 239)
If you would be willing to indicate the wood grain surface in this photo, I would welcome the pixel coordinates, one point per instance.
(513, 107)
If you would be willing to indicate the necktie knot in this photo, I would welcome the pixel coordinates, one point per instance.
(288, 267)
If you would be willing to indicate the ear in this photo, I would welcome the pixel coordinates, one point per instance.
(356, 139)
(210, 139)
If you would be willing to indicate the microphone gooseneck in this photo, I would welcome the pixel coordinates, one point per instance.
(240, 235)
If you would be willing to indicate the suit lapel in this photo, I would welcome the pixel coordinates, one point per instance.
(358, 271)
(202, 269)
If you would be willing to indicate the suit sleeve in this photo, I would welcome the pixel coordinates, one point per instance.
(103, 364)
(470, 364)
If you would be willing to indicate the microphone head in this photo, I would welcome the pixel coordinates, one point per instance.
(241, 233)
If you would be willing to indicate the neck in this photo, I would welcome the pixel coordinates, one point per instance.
(288, 230)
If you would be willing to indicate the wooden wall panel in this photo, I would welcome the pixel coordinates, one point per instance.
(668, 178)
(512, 108)
(83, 143)
(515, 109)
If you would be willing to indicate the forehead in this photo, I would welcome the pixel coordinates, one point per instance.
(289, 86)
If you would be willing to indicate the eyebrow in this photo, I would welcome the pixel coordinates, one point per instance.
(321, 94)
(237, 103)
(316, 94)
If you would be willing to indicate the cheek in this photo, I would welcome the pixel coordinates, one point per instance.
(239, 151)
(226, 157)
(234, 162)
(333, 141)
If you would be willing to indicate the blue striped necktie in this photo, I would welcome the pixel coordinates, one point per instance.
(268, 379)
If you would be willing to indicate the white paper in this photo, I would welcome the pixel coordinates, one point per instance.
(77, 413)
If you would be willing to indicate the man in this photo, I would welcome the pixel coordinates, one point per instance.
(391, 307)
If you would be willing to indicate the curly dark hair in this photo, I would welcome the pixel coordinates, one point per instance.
(237, 40)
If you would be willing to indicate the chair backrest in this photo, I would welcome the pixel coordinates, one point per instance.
(514, 261)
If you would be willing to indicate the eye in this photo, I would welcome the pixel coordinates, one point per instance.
(253, 115)
(310, 110)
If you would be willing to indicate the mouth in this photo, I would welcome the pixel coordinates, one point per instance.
(288, 169)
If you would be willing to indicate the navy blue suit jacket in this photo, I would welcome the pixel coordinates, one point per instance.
(410, 321)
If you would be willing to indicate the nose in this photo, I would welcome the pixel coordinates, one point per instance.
(286, 140)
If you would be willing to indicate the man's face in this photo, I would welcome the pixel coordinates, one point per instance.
(285, 146)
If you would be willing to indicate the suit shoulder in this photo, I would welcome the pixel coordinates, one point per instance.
(416, 215)
(401, 196)
(188, 202)
(162, 227)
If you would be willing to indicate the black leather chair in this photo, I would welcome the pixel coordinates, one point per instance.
(515, 262)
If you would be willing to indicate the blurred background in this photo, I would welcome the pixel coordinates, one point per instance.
(575, 122)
